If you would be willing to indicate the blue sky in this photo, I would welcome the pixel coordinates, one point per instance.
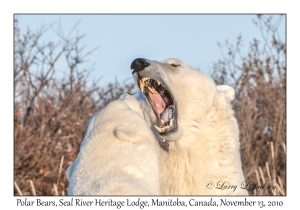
(122, 38)
(206, 53)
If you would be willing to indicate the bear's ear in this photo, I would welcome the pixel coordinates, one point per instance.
(124, 133)
(226, 91)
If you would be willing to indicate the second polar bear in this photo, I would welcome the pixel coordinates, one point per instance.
(119, 154)
(193, 115)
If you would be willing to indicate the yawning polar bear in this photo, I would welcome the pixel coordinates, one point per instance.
(187, 111)
(119, 154)
(179, 108)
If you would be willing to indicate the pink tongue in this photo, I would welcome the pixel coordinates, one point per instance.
(157, 102)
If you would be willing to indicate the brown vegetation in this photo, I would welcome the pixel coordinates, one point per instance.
(259, 79)
(51, 113)
(52, 109)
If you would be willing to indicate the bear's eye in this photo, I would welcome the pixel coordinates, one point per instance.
(175, 64)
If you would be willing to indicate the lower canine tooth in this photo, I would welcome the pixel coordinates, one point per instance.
(161, 130)
(171, 123)
(157, 128)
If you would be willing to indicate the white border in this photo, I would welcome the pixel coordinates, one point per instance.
(33, 6)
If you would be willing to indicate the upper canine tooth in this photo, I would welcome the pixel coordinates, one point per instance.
(142, 86)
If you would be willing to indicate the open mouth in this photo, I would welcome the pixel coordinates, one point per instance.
(162, 103)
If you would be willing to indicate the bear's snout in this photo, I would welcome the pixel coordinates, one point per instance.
(139, 64)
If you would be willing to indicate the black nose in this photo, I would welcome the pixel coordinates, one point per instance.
(139, 64)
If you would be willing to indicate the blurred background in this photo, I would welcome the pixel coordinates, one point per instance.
(67, 67)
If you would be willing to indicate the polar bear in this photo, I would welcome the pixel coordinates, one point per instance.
(119, 154)
(190, 114)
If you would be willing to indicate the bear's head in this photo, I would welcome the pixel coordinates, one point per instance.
(180, 98)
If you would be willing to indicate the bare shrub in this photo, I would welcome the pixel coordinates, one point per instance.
(52, 109)
(259, 79)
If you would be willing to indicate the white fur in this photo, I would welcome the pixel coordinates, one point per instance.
(205, 149)
(119, 154)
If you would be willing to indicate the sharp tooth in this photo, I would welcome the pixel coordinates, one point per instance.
(161, 130)
(145, 78)
(158, 82)
(164, 140)
(142, 86)
(165, 128)
(157, 128)
(152, 90)
(171, 123)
